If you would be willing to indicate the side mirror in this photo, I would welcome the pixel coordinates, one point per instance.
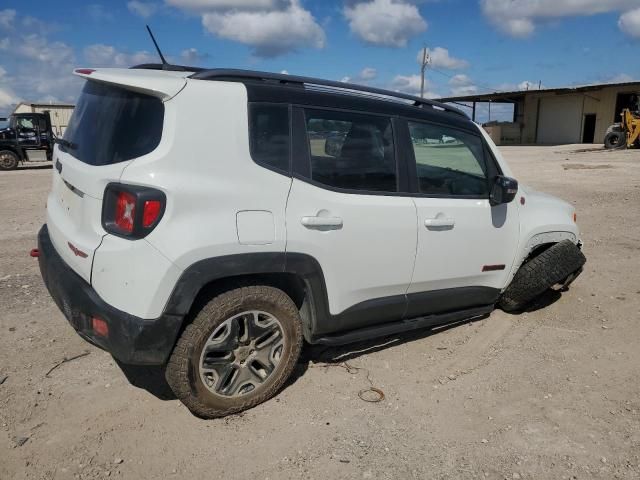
(504, 190)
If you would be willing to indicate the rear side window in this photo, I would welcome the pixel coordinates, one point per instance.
(449, 162)
(351, 151)
(269, 135)
(111, 124)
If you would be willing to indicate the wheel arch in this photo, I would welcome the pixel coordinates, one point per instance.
(537, 244)
(298, 275)
(17, 150)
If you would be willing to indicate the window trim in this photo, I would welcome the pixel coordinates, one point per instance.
(302, 156)
(492, 168)
(250, 106)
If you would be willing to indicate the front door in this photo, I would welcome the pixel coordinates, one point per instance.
(27, 130)
(345, 212)
(465, 245)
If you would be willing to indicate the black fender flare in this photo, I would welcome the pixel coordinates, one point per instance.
(205, 271)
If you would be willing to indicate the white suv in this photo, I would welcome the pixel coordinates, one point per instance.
(213, 220)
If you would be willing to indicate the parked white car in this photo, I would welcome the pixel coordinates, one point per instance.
(199, 219)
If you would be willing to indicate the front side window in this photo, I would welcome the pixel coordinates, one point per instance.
(269, 135)
(448, 161)
(351, 151)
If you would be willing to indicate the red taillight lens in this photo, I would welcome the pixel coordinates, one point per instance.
(132, 211)
(151, 212)
(125, 211)
(100, 327)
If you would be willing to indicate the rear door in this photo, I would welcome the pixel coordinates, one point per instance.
(465, 245)
(109, 128)
(345, 211)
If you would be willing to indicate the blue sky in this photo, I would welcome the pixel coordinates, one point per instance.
(475, 45)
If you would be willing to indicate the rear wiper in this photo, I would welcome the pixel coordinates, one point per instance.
(65, 143)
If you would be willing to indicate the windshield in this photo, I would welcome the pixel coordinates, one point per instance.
(111, 124)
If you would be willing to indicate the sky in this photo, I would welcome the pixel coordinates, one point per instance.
(474, 46)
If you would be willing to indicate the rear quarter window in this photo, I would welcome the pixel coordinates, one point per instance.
(111, 124)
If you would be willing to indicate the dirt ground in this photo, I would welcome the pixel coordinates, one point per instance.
(553, 393)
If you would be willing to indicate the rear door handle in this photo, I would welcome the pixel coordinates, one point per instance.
(322, 222)
(439, 222)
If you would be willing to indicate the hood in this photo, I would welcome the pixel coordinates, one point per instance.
(544, 199)
(7, 133)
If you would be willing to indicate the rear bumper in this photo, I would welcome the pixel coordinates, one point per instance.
(130, 339)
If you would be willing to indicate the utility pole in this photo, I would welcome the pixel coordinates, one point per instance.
(423, 67)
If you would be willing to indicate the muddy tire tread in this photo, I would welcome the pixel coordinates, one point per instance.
(212, 313)
(540, 273)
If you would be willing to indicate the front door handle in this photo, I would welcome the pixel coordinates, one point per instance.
(322, 222)
(439, 222)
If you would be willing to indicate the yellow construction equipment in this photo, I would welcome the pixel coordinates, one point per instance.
(625, 134)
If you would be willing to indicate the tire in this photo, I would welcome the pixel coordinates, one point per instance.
(8, 160)
(615, 139)
(228, 326)
(552, 266)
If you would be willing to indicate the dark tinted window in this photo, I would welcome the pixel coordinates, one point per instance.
(448, 161)
(269, 135)
(111, 124)
(351, 151)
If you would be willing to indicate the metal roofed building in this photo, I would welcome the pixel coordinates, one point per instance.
(555, 116)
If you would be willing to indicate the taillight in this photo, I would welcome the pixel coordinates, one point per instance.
(125, 211)
(131, 211)
(151, 212)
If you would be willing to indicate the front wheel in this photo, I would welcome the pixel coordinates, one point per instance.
(615, 139)
(8, 160)
(237, 353)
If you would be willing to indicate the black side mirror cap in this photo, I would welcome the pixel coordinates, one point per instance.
(504, 190)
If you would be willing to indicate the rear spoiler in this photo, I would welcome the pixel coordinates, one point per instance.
(162, 84)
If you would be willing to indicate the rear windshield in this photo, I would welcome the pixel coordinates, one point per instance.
(111, 124)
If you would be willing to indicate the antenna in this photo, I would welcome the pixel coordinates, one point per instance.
(165, 64)
(423, 66)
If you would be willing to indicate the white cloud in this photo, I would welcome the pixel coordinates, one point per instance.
(346, 79)
(629, 23)
(100, 55)
(7, 18)
(99, 12)
(519, 18)
(462, 85)
(143, 9)
(269, 27)
(621, 78)
(35, 66)
(218, 5)
(411, 84)
(192, 56)
(368, 73)
(439, 58)
(389, 23)
(284, 72)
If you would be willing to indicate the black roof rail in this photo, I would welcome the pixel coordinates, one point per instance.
(167, 67)
(286, 79)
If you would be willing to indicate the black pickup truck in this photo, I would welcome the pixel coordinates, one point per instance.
(26, 131)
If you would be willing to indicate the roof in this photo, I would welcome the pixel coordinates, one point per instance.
(328, 86)
(519, 94)
(43, 105)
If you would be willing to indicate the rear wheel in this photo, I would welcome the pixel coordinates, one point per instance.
(8, 160)
(238, 352)
(615, 139)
